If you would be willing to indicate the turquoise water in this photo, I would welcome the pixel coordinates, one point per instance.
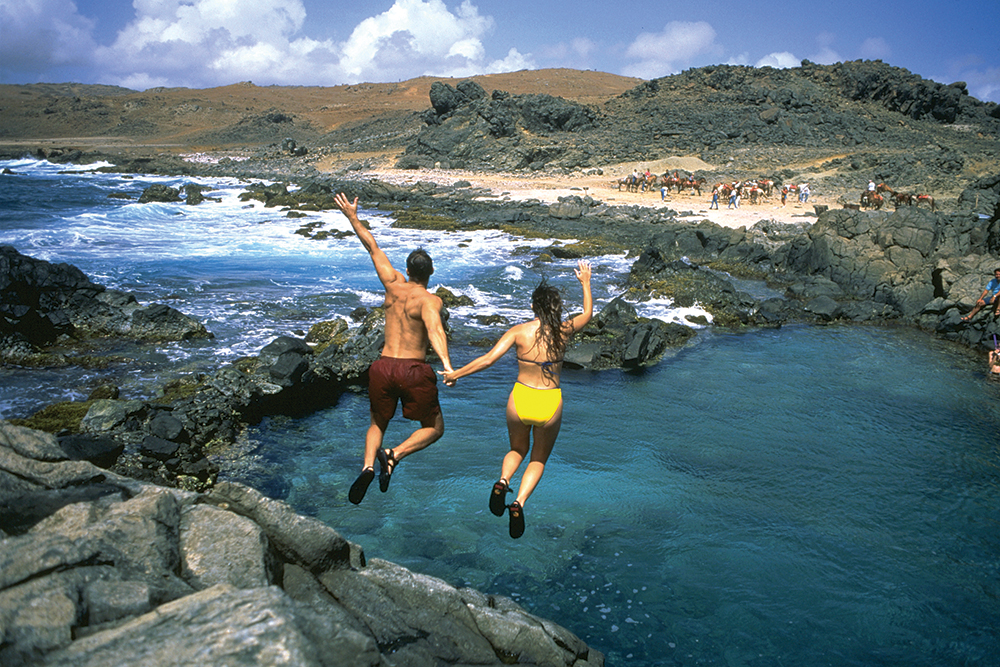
(802, 496)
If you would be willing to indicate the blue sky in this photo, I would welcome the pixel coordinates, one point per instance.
(141, 44)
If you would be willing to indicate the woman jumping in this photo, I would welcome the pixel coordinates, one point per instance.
(535, 403)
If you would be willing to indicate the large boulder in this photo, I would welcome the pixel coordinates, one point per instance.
(467, 128)
(618, 338)
(902, 259)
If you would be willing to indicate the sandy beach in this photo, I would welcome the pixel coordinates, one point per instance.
(549, 189)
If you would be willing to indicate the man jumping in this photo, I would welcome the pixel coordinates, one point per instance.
(412, 321)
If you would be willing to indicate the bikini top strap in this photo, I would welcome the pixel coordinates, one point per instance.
(544, 364)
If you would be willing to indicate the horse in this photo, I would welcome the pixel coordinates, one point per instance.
(631, 183)
(925, 199)
(902, 199)
(757, 193)
(898, 198)
(766, 185)
(695, 184)
(648, 182)
(673, 181)
(871, 199)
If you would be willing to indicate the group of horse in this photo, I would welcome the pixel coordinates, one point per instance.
(754, 190)
(651, 182)
(882, 193)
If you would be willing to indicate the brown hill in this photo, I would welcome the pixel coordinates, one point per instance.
(243, 114)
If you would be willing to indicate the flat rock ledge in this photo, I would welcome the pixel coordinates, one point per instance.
(104, 570)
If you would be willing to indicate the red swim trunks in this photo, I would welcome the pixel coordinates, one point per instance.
(411, 381)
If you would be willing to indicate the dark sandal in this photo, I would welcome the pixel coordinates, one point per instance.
(360, 486)
(387, 464)
(498, 497)
(516, 519)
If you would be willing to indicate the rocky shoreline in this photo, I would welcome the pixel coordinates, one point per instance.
(103, 570)
(102, 562)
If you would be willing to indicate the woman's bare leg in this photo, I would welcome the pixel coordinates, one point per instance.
(520, 442)
(544, 440)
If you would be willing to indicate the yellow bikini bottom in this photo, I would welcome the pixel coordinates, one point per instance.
(534, 406)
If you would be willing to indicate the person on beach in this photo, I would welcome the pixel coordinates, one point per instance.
(989, 296)
(412, 321)
(715, 198)
(734, 195)
(534, 407)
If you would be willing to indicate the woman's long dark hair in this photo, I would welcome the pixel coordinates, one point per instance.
(546, 303)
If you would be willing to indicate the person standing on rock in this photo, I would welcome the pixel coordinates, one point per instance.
(412, 322)
(534, 407)
(989, 296)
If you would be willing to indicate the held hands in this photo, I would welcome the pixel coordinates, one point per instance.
(449, 377)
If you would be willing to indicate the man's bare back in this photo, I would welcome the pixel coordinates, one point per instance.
(406, 306)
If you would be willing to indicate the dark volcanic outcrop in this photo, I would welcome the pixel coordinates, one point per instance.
(41, 303)
(475, 131)
(912, 130)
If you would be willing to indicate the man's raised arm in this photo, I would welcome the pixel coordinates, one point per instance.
(383, 267)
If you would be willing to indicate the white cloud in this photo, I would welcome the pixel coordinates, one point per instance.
(41, 34)
(668, 51)
(416, 37)
(582, 47)
(875, 48)
(208, 42)
(577, 53)
(514, 62)
(826, 56)
(984, 84)
(201, 43)
(779, 60)
(739, 59)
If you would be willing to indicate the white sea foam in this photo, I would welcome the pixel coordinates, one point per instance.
(514, 273)
(664, 309)
(243, 270)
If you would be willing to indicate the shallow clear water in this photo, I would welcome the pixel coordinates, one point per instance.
(802, 496)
